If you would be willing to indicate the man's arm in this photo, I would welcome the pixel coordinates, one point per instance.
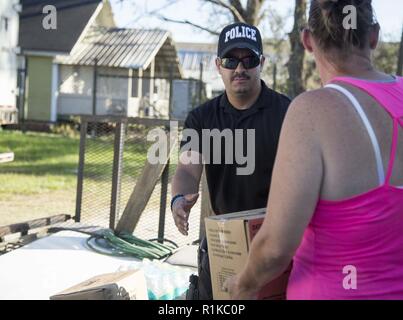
(186, 182)
(187, 176)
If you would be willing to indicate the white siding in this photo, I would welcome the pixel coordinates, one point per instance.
(8, 49)
(76, 86)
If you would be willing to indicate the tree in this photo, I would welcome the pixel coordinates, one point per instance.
(400, 61)
(277, 50)
(251, 12)
(296, 62)
(385, 57)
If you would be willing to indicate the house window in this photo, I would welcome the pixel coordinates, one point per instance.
(146, 87)
(4, 23)
(135, 87)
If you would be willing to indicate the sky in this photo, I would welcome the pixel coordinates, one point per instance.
(133, 14)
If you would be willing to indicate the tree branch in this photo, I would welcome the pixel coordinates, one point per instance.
(263, 15)
(189, 23)
(252, 11)
(238, 6)
(237, 12)
(400, 60)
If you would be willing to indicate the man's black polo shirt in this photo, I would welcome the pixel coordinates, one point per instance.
(230, 192)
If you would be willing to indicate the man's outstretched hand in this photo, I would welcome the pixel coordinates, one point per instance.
(181, 209)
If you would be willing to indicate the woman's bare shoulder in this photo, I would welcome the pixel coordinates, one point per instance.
(316, 100)
(317, 104)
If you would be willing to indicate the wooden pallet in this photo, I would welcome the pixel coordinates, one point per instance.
(17, 235)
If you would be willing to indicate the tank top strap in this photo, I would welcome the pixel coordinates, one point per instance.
(368, 126)
(393, 152)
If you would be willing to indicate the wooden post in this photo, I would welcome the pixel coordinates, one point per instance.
(142, 191)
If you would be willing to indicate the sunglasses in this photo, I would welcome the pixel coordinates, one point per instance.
(247, 62)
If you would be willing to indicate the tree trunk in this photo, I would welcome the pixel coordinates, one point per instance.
(400, 62)
(296, 62)
(253, 8)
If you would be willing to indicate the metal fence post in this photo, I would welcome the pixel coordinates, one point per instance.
(171, 89)
(275, 76)
(80, 175)
(117, 171)
(94, 96)
(163, 203)
(201, 83)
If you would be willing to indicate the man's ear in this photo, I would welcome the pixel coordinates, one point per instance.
(374, 36)
(217, 64)
(262, 63)
(306, 39)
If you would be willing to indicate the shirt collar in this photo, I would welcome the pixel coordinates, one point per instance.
(263, 100)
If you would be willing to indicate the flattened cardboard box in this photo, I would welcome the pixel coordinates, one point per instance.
(228, 238)
(127, 285)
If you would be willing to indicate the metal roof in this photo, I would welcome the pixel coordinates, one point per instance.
(190, 60)
(123, 48)
(192, 54)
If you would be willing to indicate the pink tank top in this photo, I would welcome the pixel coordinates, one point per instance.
(353, 249)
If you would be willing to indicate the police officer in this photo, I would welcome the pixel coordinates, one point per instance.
(247, 106)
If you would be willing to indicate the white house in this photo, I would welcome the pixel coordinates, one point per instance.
(192, 56)
(132, 73)
(9, 11)
(88, 66)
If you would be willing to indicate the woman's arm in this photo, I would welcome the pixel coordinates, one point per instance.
(294, 192)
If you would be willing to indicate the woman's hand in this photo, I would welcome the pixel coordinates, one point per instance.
(237, 291)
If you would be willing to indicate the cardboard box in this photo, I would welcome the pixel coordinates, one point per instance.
(127, 285)
(229, 237)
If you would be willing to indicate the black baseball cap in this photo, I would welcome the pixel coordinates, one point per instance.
(239, 36)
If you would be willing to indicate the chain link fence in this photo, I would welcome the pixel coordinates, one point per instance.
(115, 117)
(113, 155)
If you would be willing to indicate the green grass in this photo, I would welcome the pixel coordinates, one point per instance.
(42, 162)
(46, 162)
(42, 179)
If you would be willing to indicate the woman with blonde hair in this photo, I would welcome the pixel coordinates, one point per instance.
(336, 200)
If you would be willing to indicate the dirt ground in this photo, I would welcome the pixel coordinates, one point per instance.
(23, 208)
(27, 207)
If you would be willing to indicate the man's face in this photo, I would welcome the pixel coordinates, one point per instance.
(241, 81)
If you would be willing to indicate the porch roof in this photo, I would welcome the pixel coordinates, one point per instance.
(126, 48)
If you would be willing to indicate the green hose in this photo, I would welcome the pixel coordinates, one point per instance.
(126, 244)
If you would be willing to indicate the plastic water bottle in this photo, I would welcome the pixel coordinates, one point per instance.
(164, 281)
